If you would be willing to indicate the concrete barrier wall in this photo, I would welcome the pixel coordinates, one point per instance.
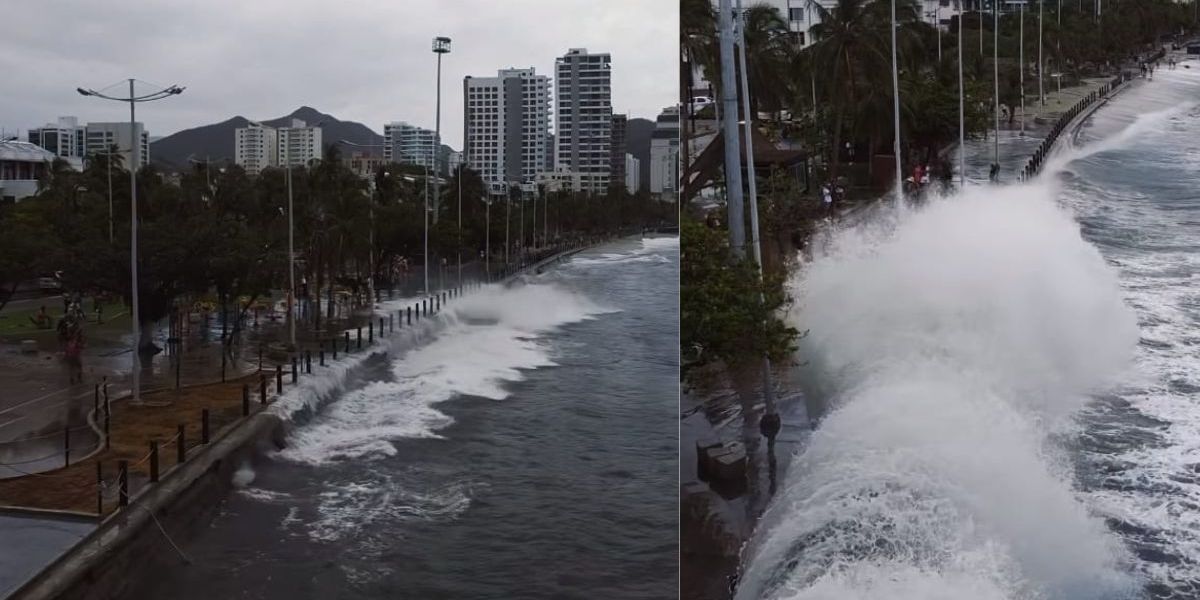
(109, 563)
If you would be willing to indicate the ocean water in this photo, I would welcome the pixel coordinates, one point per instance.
(1011, 377)
(521, 445)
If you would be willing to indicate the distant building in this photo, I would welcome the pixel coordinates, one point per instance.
(99, 137)
(453, 160)
(256, 147)
(617, 150)
(664, 154)
(560, 180)
(66, 138)
(633, 174)
(299, 144)
(507, 126)
(364, 164)
(21, 165)
(409, 144)
(583, 123)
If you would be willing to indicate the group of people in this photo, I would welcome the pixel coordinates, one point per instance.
(922, 175)
(70, 330)
(832, 195)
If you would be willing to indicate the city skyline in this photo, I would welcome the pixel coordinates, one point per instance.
(262, 61)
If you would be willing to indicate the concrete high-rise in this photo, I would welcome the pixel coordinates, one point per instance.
(507, 126)
(664, 154)
(256, 147)
(299, 144)
(102, 136)
(617, 151)
(583, 123)
(66, 138)
(409, 144)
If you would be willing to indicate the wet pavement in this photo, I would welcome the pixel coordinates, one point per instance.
(31, 543)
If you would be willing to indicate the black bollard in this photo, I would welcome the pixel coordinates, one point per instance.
(154, 462)
(294, 373)
(308, 362)
(347, 333)
(204, 426)
(410, 315)
(180, 444)
(245, 399)
(359, 346)
(371, 332)
(278, 379)
(123, 483)
(262, 389)
(380, 326)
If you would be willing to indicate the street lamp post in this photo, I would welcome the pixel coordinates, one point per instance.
(441, 45)
(895, 113)
(962, 135)
(133, 99)
(1021, 62)
(996, 75)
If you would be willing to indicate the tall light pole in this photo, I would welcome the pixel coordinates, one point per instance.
(729, 112)
(291, 295)
(1041, 66)
(996, 75)
(460, 176)
(962, 134)
(770, 422)
(441, 45)
(1021, 63)
(896, 112)
(134, 143)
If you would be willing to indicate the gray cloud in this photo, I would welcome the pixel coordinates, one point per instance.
(362, 60)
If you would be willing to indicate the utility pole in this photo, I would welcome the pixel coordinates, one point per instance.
(1021, 62)
(896, 114)
(729, 109)
(962, 134)
(1041, 66)
(134, 159)
(291, 295)
(770, 422)
(996, 74)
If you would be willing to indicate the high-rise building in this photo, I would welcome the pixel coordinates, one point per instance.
(100, 137)
(299, 144)
(583, 124)
(507, 126)
(633, 174)
(617, 151)
(664, 154)
(409, 144)
(256, 147)
(66, 138)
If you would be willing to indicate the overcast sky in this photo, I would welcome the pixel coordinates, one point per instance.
(359, 60)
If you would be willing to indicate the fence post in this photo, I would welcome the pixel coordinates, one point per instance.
(391, 323)
(96, 401)
(123, 483)
(245, 399)
(333, 344)
(380, 326)
(180, 444)
(66, 446)
(204, 426)
(154, 462)
(278, 379)
(370, 332)
(321, 355)
(347, 333)
(262, 389)
(260, 357)
(294, 373)
(99, 489)
(359, 344)
(410, 315)
(308, 362)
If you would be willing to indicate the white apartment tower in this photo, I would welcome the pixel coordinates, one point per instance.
(409, 144)
(256, 148)
(507, 120)
(299, 144)
(583, 125)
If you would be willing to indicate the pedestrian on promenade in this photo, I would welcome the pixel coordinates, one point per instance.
(826, 198)
(41, 320)
(98, 308)
(994, 173)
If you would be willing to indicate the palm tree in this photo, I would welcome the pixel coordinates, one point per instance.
(768, 52)
(853, 48)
